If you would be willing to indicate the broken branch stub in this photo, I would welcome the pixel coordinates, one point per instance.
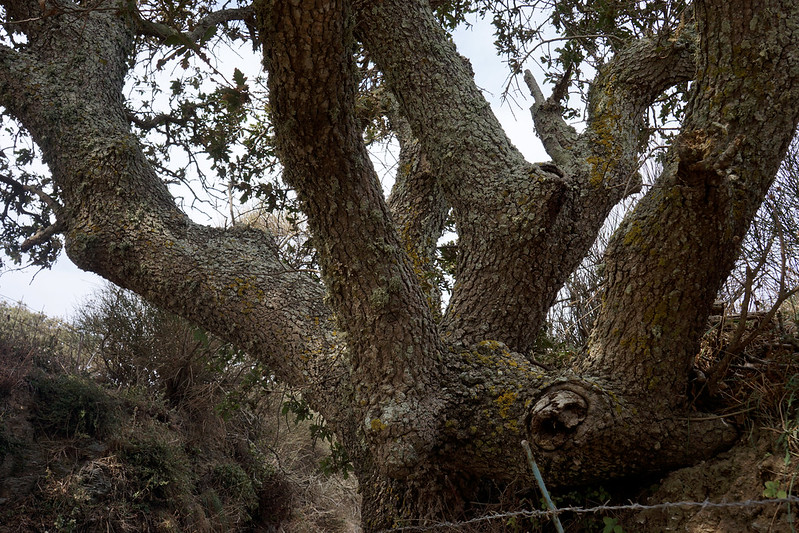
(555, 418)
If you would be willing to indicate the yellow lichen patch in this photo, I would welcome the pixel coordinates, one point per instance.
(406, 169)
(636, 344)
(491, 344)
(504, 402)
(377, 425)
(489, 353)
(605, 129)
(421, 266)
(633, 235)
(248, 292)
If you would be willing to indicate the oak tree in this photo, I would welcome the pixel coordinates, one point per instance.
(430, 405)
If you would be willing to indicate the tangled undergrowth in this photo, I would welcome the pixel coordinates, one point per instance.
(137, 421)
(747, 371)
(132, 420)
(756, 384)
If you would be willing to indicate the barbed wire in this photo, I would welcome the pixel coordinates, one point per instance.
(589, 510)
(549, 513)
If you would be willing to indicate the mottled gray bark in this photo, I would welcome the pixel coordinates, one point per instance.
(513, 218)
(392, 339)
(500, 201)
(418, 208)
(669, 258)
(432, 411)
(120, 220)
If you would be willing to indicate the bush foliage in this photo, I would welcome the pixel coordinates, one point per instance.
(68, 406)
(132, 419)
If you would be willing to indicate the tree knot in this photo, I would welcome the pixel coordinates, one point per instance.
(555, 418)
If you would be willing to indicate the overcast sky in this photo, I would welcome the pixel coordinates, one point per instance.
(59, 291)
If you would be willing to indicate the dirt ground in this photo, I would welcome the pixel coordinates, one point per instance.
(738, 475)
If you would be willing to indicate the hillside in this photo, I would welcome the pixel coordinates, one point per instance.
(133, 420)
(197, 445)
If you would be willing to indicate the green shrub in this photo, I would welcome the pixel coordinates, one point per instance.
(211, 502)
(67, 406)
(232, 481)
(156, 469)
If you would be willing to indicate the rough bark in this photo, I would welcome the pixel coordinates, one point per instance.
(394, 348)
(120, 220)
(392, 339)
(496, 202)
(514, 218)
(419, 209)
(669, 258)
(433, 412)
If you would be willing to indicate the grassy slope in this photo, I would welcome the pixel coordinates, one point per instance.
(78, 453)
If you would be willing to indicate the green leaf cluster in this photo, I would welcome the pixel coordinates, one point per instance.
(24, 212)
(338, 462)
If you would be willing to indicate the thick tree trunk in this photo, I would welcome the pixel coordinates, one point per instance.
(669, 258)
(432, 412)
(392, 338)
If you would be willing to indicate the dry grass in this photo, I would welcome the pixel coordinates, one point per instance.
(760, 385)
(203, 451)
(319, 502)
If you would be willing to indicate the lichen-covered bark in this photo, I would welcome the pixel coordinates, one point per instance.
(392, 338)
(667, 261)
(418, 208)
(122, 223)
(432, 412)
(582, 429)
(522, 228)
(503, 205)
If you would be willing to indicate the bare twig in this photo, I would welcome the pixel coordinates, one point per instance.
(42, 236)
(19, 188)
(162, 31)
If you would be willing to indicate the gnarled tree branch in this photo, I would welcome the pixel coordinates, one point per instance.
(393, 340)
(667, 261)
(511, 216)
(122, 223)
(162, 31)
(418, 208)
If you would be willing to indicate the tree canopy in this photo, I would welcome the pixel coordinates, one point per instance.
(429, 403)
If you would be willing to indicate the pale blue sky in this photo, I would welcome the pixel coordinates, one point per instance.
(59, 291)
